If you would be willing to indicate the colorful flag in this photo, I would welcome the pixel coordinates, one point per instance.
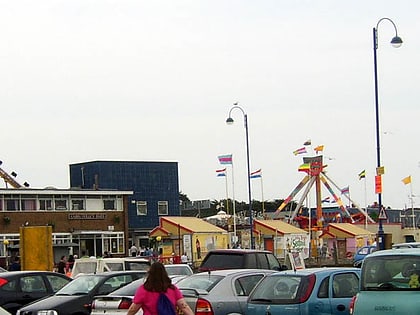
(319, 148)
(345, 190)
(362, 174)
(407, 180)
(307, 142)
(325, 200)
(225, 159)
(304, 167)
(299, 151)
(256, 174)
(221, 172)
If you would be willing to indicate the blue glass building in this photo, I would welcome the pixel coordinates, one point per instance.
(155, 189)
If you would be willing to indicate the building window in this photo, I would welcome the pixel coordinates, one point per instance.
(60, 204)
(109, 204)
(162, 207)
(77, 204)
(141, 207)
(45, 204)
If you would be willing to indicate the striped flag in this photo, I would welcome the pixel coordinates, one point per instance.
(256, 174)
(299, 151)
(221, 172)
(225, 159)
(362, 174)
(345, 190)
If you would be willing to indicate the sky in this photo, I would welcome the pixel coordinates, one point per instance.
(87, 80)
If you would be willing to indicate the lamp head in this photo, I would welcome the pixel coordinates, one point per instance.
(229, 121)
(396, 42)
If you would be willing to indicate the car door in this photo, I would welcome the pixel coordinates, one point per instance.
(243, 286)
(32, 287)
(343, 285)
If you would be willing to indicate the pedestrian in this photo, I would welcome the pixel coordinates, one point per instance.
(147, 295)
(61, 268)
(133, 250)
(15, 265)
(184, 258)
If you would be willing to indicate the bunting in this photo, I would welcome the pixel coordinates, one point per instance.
(299, 151)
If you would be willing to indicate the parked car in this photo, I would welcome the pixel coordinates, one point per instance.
(2, 269)
(117, 302)
(18, 288)
(94, 265)
(239, 259)
(178, 270)
(389, 283)
(220, 292)
(3, 311)
(77, 296)
(407, 245)
(361, 253)
(311, 291)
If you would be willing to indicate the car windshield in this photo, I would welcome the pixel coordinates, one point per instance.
(278, 289)
(391, 273)
(203, 282)
(81, 285)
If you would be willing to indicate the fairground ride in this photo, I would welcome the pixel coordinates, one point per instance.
(315, 174)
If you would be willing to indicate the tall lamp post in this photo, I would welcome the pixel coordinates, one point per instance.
(230, 121)
(396, 42)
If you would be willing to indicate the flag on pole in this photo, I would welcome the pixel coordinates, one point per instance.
(362, 174)
(256, 174)
(319, 148)
(345, 190)
(221, 172)
(325, 200)
(304, 167)
(299, 151)
(225, 159)
(406, 180)
(307, 142)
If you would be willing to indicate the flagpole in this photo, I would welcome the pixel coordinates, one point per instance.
(412, 205)
(262, 196)
(366, 207)
(234, 206)
(227, 194)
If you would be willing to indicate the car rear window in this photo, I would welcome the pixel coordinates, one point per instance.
(391, 273)
(280, 289)
(202, 282)
(223, 261)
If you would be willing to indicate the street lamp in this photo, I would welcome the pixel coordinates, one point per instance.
(396, 42)
(229, 121)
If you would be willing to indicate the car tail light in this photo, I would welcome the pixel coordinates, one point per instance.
(352, 303)
(203, 307)
(125, 304)
(3, 282)
(308, 290)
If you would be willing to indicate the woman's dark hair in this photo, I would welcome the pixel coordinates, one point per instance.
(157, 278)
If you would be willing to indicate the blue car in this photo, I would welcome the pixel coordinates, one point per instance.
(312, 291)
(361, 253)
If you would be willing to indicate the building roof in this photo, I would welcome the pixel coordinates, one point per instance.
(345, 230)
(278, 226)
(191, 224)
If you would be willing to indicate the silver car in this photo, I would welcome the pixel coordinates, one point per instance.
(220, 292)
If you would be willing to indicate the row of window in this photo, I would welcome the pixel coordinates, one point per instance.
(142, 207)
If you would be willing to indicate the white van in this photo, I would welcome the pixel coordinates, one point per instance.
(97, 265)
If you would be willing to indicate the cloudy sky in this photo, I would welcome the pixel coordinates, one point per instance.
(84, 80)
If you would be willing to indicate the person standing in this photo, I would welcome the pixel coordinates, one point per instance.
(15, 266)
(61, 268)
(184, 258)
(147, 295)
(133, 250)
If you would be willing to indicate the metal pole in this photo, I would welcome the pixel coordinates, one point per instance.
(381, 234)
(251, 221)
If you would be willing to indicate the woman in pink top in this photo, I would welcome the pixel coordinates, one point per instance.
(147, 294)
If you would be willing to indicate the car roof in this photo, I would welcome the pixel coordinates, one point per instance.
(25, 272)
(226, 272)
(112, 273)
(399, 251)
(238, 250)
(405, 245)
(308, 271)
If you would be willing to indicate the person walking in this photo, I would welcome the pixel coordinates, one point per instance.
(147, 295)
(61, 268)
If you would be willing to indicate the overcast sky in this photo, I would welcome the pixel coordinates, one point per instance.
(86, 80)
